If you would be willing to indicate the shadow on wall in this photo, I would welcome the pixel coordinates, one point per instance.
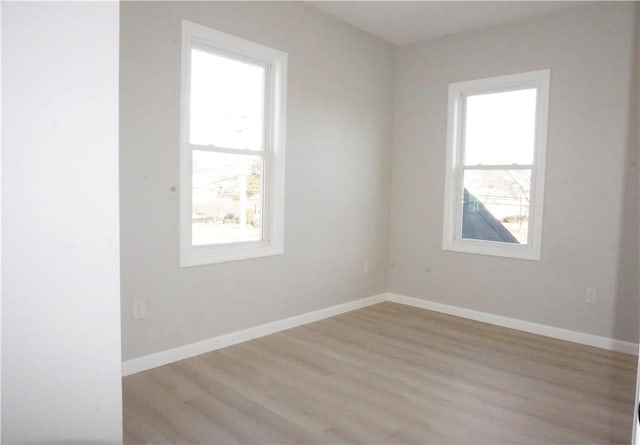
(627, 299)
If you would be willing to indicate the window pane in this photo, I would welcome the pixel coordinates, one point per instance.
(500, 128)
(227, 98)
(227, 198)
(496, 205)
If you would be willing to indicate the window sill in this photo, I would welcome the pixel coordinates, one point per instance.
(202, 255)
(518, 251)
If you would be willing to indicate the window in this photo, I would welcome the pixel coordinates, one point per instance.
(496, 145)
(232, 156)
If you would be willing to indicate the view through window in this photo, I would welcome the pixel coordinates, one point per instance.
(499, 136)
(227, 115)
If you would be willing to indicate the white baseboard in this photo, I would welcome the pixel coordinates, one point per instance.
(173, 355)
(521, 325)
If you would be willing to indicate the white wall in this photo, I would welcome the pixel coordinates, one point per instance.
(635, 115)
(60, 266)
(0, 226)
(590, 230)
(339, 124)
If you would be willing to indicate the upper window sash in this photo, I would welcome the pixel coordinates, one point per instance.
(497, 166)
(231, 150)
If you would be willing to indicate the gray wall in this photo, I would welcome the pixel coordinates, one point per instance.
(339, 136)
(590, 230)
(61, 363)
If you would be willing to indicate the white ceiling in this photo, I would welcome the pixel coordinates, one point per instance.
(402, 22)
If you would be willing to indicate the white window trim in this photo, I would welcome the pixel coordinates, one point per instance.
(273, 155)
(452, 235)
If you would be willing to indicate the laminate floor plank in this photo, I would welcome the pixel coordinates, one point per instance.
(388, 374)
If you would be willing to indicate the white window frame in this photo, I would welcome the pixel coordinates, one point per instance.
(452, 225)
(273, 154)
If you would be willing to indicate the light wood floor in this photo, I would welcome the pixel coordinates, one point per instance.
(387, 374)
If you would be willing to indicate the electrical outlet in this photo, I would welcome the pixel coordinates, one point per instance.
(365, 267)
(590, 296)
(138, 309)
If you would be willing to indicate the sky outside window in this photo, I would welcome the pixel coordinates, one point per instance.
(227, 102)
(500, 128)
